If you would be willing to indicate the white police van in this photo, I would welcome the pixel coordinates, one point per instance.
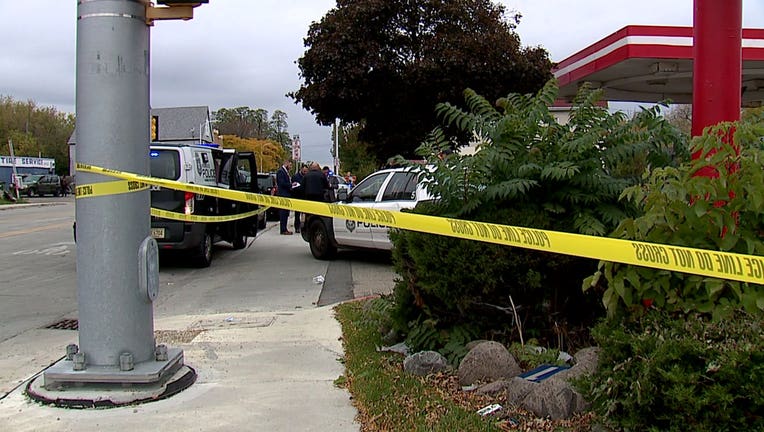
(389, 189)
(208, 166)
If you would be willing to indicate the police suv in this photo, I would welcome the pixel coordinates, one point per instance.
(207, 166)
(389, 189)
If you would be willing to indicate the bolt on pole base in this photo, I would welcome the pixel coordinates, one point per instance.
(103, 387)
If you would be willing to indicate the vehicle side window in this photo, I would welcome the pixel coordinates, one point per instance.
(243, 174)
(225, 170)
(368, 189)
(401, 187)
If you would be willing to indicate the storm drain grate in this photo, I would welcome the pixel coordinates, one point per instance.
(65, 324)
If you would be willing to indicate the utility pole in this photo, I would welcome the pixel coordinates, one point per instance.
(13, 166)
(117, 260)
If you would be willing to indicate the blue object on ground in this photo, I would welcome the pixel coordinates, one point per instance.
(542, 372)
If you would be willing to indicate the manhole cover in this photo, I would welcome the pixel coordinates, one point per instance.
(65, 324)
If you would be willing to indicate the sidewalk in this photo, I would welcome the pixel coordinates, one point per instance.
(257, 371)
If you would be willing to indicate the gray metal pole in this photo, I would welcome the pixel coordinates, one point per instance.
(112, 110)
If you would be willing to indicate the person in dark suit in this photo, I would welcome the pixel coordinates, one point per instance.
(316, 184)
(298, 192)
(284, 189)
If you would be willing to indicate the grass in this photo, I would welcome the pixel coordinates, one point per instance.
(386, 398)
(3, 200)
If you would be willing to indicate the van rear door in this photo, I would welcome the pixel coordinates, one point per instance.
(238, 171)
(165, 163)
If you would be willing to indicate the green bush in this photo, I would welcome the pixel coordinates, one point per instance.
(667, 373)
(682, 208)
(449, 283)
(530, 171)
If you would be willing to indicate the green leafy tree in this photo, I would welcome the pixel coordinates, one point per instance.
(261, 126)
(355, 155)
(268, 154)
(245, 122)
(530, 171)
(279, 130)
(383, 64)
(240, 121)
(36, 131)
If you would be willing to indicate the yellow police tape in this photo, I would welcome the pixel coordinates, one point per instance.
(126, 186)
(200, 218)
(109, 188)
(724, 265)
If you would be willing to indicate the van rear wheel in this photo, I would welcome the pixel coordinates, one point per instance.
(203, 253)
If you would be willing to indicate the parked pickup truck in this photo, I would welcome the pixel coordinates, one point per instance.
(208, 166)
(389, 189)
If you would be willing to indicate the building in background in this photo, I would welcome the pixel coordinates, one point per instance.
(182, 124)
(24, 165)
(189, 125)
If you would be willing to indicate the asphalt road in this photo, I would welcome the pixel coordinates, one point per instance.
(274, 273)
(38, 279)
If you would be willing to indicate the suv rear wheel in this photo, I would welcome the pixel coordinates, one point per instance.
(320, 244)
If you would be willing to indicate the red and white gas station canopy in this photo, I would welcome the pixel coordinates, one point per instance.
(652, 63)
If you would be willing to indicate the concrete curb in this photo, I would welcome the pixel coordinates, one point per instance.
(14, 206)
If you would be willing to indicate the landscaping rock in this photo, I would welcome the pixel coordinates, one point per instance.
(518, 389)
(586, 364)
(555, 399)
(424, 363)
(473, 344)
(493, 388)
(488, 361)
(587, 359)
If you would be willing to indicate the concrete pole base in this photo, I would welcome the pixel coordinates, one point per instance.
(101, 387)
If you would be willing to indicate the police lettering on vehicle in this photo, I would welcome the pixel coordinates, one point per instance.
(352, 225)
(204, 167)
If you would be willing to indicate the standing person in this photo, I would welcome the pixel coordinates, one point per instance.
(350, 180)
(316, 184)
(334, 184)
(298, 191)
(65, 185)
(284, 185)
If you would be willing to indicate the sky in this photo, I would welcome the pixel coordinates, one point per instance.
(243, 52)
